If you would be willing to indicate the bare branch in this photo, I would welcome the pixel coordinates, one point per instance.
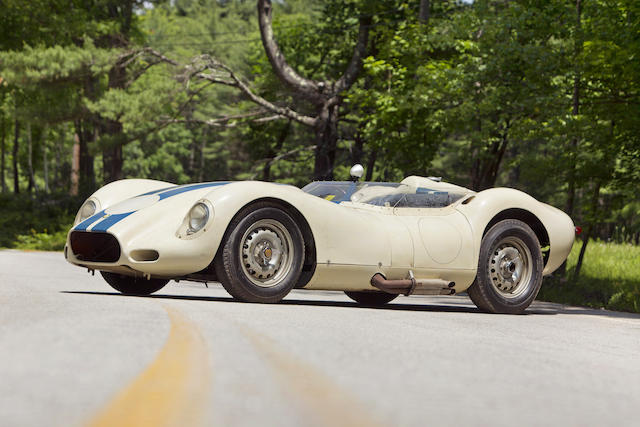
(207, 68)
(160, 56)
(132, 55)
(236, 82)
(139, 73)
(269, 119)
(226, 121)
(353, 69)
(309, 88)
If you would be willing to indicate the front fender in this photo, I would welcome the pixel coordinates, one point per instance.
(486, 204)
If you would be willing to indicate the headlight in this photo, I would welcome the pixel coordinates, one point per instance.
(198, 217)
(87, 209)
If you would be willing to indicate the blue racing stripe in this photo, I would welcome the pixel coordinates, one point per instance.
(87, 222)
(109, 221)
(156, 191)
(184, 189)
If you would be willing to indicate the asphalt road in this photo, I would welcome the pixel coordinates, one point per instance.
(74, 352)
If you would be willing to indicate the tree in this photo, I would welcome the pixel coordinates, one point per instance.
(326, 96)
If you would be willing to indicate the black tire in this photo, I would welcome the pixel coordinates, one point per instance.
(262, 254)
(509, 269)
(129, 285)
(371, 298)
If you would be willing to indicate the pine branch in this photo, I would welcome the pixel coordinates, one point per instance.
(207, 68)
(224, 122)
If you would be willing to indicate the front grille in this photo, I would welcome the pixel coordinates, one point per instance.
(94, 247)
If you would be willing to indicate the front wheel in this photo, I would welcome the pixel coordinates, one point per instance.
(262, 256)
(129, 285)
(509, 269)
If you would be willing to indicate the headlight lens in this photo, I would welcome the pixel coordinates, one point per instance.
(198, 217)
(87, 209)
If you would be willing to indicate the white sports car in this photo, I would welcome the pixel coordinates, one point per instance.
(373, 240)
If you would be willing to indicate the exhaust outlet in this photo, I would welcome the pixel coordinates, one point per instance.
(413, 286)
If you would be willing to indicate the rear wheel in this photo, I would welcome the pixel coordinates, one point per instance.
(262, 257)
(129, 285)
(509, 269)
(371, 298)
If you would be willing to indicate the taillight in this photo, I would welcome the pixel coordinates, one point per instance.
(578, 231)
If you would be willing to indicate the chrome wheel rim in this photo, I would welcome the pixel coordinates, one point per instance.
(510, 267)
(266, 253)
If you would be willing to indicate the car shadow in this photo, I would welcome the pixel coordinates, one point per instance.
(453, 307)
(538, 307)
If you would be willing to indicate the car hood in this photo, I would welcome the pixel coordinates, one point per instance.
(155, 202)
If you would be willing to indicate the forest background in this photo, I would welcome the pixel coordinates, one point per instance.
(538, 95)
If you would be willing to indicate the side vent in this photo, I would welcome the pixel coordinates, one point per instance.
(468, 199)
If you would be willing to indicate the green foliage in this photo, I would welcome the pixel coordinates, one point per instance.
(610, 278)
(36, 223)
(43, 241)
(34, 65)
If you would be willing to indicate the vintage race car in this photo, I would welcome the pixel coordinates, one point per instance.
(372, 240)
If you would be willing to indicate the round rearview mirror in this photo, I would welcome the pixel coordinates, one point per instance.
(356, 171)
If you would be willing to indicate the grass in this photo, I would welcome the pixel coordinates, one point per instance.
(42, 241)
(610, 278)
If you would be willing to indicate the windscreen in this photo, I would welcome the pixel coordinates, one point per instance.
(342, 191)
(388, 194)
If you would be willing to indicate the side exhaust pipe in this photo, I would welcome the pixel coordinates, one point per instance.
(413, 286)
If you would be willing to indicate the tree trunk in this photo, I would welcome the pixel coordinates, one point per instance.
(16, 141)
(326, 142)
(191, 163)
(112, 160)
(57, 173)
(45, 161)
(514, 173)
(590, 229)
(201, 147)
(358, 148)
(282, 137)
(371, 164)
(112, 151)
(575, 110)
(486, 166)
(30, 158)
(4, 187)
(423, 14)
(75, 165)
(86, 178)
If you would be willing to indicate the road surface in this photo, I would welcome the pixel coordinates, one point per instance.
(73, 353)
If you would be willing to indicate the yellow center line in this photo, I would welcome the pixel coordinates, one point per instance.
(172, 390)
(327, 402)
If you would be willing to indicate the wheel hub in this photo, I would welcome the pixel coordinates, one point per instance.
(509, 267)
(262, 253)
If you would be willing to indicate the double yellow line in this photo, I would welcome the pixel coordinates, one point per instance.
(172, 390)
(325, 401)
